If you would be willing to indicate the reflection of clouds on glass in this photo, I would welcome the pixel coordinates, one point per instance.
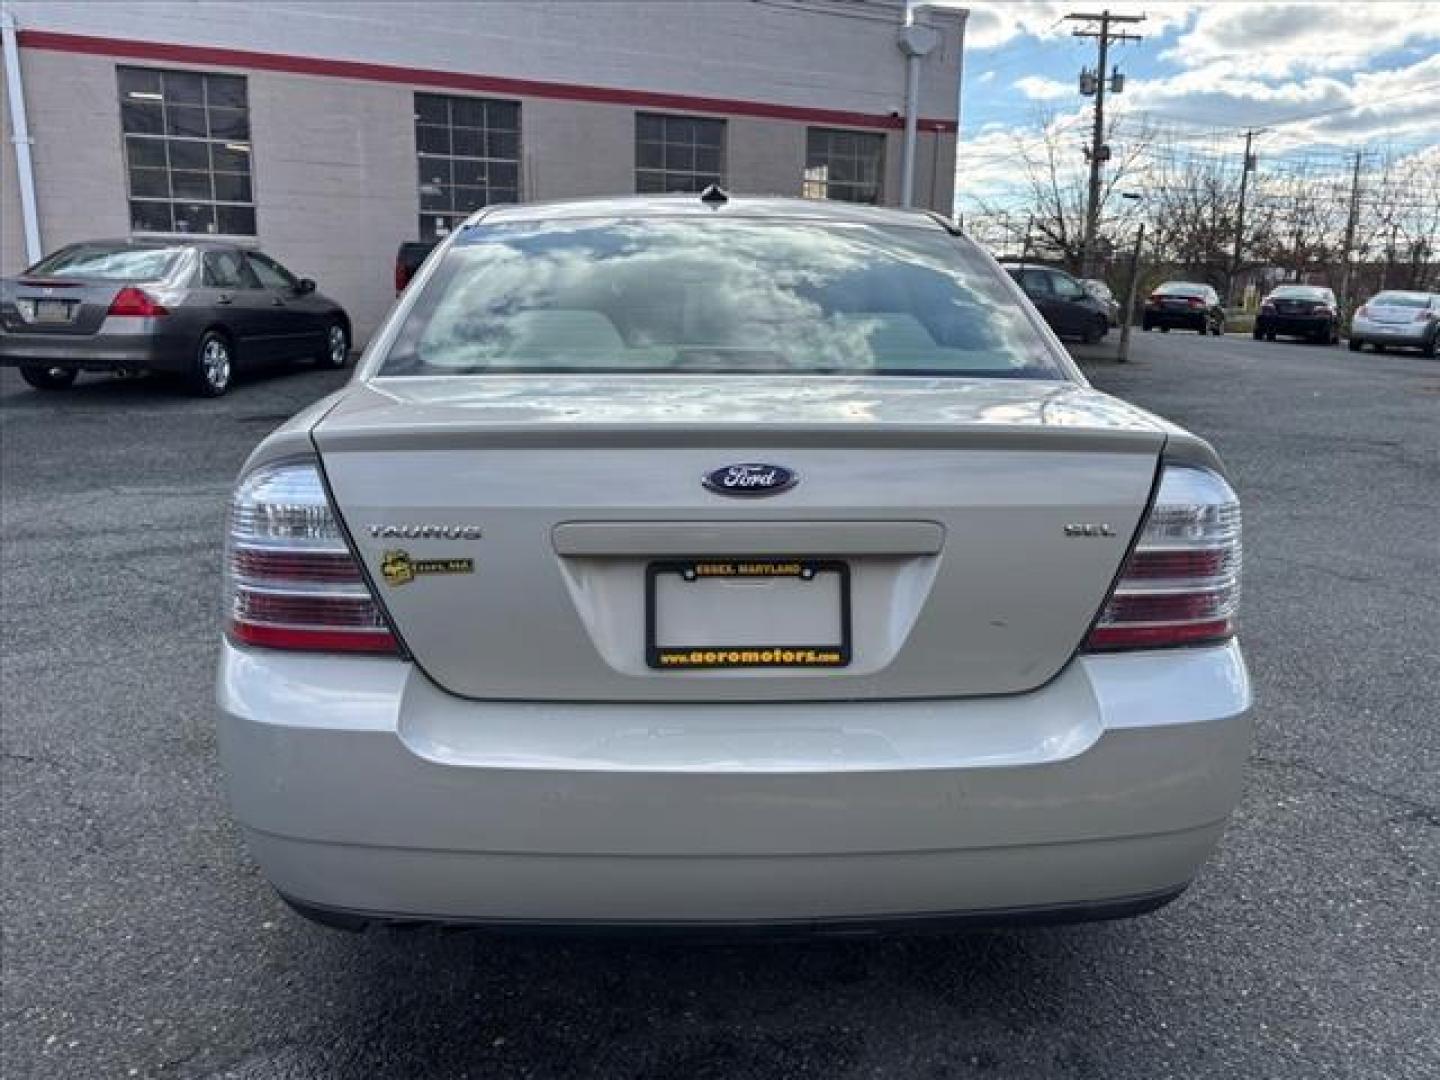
(677, 295)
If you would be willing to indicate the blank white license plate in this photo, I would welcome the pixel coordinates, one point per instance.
(54, 311)
(747, 613)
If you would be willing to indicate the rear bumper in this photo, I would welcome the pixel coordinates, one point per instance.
(363, 789)
(1405, 335)
(115, 346)
(1184, 320)
(1299, 325)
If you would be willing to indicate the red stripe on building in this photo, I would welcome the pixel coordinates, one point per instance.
(453, 80)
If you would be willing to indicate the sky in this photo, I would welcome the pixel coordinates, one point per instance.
(1325, 78)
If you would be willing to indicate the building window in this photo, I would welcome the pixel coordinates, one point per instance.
(844, 165)
(678, 153)
(187, 151)
(469, 152)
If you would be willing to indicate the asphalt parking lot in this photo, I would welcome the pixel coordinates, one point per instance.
(139, 940)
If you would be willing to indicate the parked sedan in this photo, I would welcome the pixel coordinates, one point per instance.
(1064, 303)
(729, 562)
(1187, 305)
(1398, 320)
(193, 308)
(1306, 311)
(1101, 291)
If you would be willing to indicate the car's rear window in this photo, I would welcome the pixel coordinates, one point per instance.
(1395, 299)
(107, 262)
(1301, 292)
(718, 296)
(1181, 288)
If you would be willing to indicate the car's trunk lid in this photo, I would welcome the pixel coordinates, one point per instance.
(62, 306)
(1393, 313)
(980, 524)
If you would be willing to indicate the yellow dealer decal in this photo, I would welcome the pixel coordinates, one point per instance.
(399, 568)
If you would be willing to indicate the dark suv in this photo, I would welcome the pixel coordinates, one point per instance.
(1184, 304)
(1066, 305)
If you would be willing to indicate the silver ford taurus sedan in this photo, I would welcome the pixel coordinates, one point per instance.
(711, 561)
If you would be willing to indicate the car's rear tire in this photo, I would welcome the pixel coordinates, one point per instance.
(213, 368)
(1429, 349)
(336, 352)
(1256, 334)
(1356, 346)
(48, 378)
(1164, 329)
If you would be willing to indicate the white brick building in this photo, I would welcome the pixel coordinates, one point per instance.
(329, 132)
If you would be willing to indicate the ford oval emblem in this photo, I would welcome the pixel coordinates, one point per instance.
(750, 480)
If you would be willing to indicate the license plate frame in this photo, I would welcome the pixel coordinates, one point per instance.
(54, 312)
(748, 655)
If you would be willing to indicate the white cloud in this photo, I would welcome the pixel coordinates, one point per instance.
(1277, 39)
(1039, 88)
(993, 23)
(985, 77)
(1367, 106)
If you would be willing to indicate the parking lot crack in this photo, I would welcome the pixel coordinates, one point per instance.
(1416, 809)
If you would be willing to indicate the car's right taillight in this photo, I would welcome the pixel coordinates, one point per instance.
(291, 579)
(1181, 582)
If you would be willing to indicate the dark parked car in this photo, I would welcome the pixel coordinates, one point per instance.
(1306, 311)
(408, 260)
(194, 308)
(1069, 309)
(1184, 304)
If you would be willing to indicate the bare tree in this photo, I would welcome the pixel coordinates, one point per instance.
(1052, 167)
(1307, 217)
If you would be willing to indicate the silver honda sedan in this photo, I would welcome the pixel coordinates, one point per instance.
(711, 561)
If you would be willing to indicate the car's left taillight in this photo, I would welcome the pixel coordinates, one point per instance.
(133, 303)
(291, 580)
(1181, 582)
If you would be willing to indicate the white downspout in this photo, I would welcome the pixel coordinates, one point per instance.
(20, 137)
(915, 42)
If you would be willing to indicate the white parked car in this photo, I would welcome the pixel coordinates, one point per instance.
(1398, 320)
(714, 561)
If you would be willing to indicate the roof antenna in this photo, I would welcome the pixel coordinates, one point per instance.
(714, 195)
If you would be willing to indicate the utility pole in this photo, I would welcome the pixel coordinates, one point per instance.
(1350, 224)
(1245, 171)
(1099, 153)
